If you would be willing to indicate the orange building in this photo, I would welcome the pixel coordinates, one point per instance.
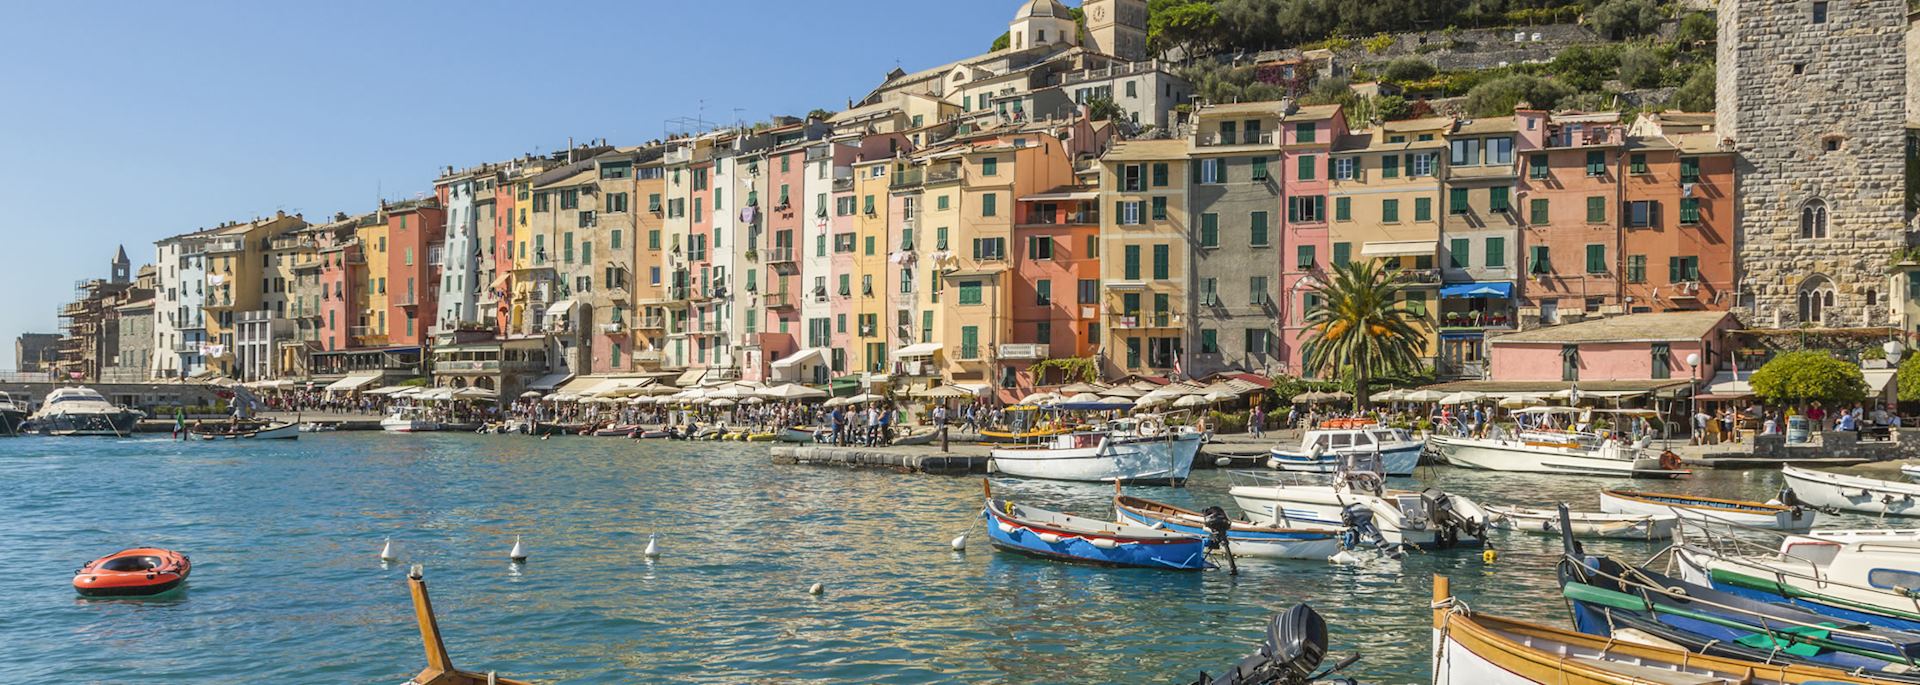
(1677, 223)
(1055, 294)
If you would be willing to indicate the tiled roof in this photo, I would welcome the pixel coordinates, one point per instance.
(1652, 327)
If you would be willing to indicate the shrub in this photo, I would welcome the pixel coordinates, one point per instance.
(1379, 43)
(1498, 97)
(1696, 29)
(1408, 70)
(1797, 378)
(1641, 67)
(1619, 19)
(1227, 422)
(1696, 94)
(1586, 67)
(1908, 379)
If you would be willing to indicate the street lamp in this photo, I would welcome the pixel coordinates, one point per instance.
(1894, 349)
(1693, 390)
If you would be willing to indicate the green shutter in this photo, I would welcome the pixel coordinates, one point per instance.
(1132, 263)
(1497, 199)
(1303, 258)
(1596, 259)
(1457, 252)
(1537, 211)
(989, 204)
(1341, 251)
(1689, 210)
(1422, 209)
(1259, 229)
(1596, 210)
(1342, 209)
(1209, 230)
(1496, 257)
(1537, 166)
(1389, 211)
(1161, 261)
(1390, 166)
(1159, 209)
(1457, 201)
(1306, 164)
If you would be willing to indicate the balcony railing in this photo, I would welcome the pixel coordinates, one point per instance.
(779, 300)
(1247, 138)
(779, 254)
(907, 178)
(405, 299)
(467, 366)
(947, 174)
(1024, 351)
(613, 328)
(841, 185)
(653, 323)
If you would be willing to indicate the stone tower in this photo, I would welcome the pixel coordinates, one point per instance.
(1811, 93)
(122, 269)
(1117, 27)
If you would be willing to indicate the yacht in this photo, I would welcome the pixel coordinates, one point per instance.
(409, 420)
(78, 410)
(1559, 451)
(12, 415)
(1322, 450)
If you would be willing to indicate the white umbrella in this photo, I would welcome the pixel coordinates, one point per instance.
(1085, 397)
(753, 400)
(945, 392)
(1040, 398)
(637, 401)
(1393, 395)
(1222, 396)
(834, 402)
(475, 394)
(791, 392)
(1186, 401)
(1462, 397)
(1522, 401)
(864, 398)
(1082, 388)
(1122, 391)
(722, 402)
(530, 394)
(731, 392)
(1425, 396)
(1151, 401)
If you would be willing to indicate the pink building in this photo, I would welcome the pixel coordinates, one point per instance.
(1653, 348)
(1310, 135)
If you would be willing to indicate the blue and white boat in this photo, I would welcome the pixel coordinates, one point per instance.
(1324, 450)
(1245, 539)
(1053, 535)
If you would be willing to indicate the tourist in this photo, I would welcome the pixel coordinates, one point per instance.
(1770, 427)
(1257, 421)
(1700, 436)
(1847, 422)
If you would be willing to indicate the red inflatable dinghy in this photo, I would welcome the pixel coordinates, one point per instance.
(132, 573)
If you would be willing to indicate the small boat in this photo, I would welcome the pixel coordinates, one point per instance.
(409, 420)
(138, 572)
(440, 670)
(1128, 451)
(759, 437)
(1861, 576)
(1322, 450)
(1001, 436)
(1053, 535)
(1357, 499)
(1475, 648)
(922, 438)
(1291, 655)
(1559, 452)
(12, 416)
(319, 426)
(1708, 509)
(1244, 538)
(1608, 597)
(245, 431)
(800, 434)
(1911, 471)
(616, 431)
(1852, 493)
(80, 411)
(1584, 524)
(655, 434)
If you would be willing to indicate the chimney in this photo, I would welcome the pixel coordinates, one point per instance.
(279, 214)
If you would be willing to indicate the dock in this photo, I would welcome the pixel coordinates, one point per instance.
(962, 460)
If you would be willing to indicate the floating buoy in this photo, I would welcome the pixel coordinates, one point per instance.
(1343, 557)
(817, 588)
(1488, 556)
(1006, 528)
(1103, 543)
(1049, 538)
(386, 551)
(653, 546)
(960, 543)
(1223, 462)
(519, 553)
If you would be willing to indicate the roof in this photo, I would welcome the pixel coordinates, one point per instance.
(1705, 143)
(1494, 387)
(1426, 124)
(1148, 150)
(1043, 8)
(1311, 112)
(1237, 108)
(1652, 327)
(1488, 125)
(583, 176)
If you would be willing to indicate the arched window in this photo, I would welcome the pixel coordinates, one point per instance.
(1815, 300)
(1813, 220)
(1873, 298)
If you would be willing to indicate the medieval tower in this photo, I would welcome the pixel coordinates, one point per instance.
(1812, 95)
(1117, 28)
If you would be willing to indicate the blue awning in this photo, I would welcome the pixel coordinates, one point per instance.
(1486, 289)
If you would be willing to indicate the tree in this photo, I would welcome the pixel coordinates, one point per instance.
(1186, 24)
(1619, 19)
(1641, 67)
(1103, 109)
(1586, 67)
(1497, 97)
(1003, 42)
(1408, 70)
(1697, 94)
(1360, 328)
(1909, 379)
(1696, 29)
(1797, 378)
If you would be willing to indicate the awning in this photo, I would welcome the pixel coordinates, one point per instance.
(1075, 195)
(816, 354)
(690, 378)
(550, 381)
(1725, 383)
(1878, 380)
(918, 350)
(354, 381)
(389, 390)
(1486, 289)
(502, 280)
(582, 385)
(561, 308)
(1397, 248)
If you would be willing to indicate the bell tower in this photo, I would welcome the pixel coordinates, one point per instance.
(1117, 28)
(122, 268)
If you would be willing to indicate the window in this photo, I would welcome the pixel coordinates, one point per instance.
(1043, 291)
(1596, 210)
(1303, 258)
(1305, 164)
(1689, 211)
(1596, 259)
(1498, 200)
(940, 238)
(989, 249)
(1637, 163)
(1304, 133)
(1537, 211)
(569, 199)
(1341, 254)
(1636, 268)
(1312, 208)
(1820, 17)
(1415, 302)
(1343, 169)
(1422, 209)
(1159, 209)
(989, 204)
(1466, 152)
(1457, 201)
(1209, 292)
(1258, 229)
(1499, 150)
(1209, 341)
(1162, 261)
(1423, 164)
(1537, 167)
(990, 166)
(1129, 213)
(1213, 171)
(969, 342)
(1159, 174)
(1132, 178)
(1458, 256)
(1257, 290)
(1539, 262)
(1209, 230)
(1569, 362)
(1496, 257)
(1596, 163)
(1640, 213)
(1131, 263)
(1689, 169)
(1257, 344)
(1089, 291)
(1390, 166)
(869, 245)
(1093, 248)
(1661, 359)
(1813, 220)
(1259, 168)
(970, 292)
(1342, 209)
(1683, 269)
(1040, 247)
(940, 202)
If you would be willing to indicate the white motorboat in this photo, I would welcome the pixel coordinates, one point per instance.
(319, 427)
(1358, 499)
(409, 420)
(1130, 450)
(1859, 575)
(1559, 451)
(1708, 509)
(1853, 493)
(1911, 471)
(1323, 450)
(76, 410)
(1584, 524)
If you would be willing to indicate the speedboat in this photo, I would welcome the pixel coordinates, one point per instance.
(1710, 509)
(1244, 538)
(1356, 498)
(1323, 450)
(1585, 524)
(1853, 493)
(251, 430)
(1863, 576)
(319, 427)
(1051, 534)
(138, 572)
(12, 415)
(409, 420)
(76, 410)
(1127, 451)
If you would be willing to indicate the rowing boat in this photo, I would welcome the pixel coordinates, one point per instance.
(1584, 524)
(1708, 509)
(1244, 538)
(1853, 493)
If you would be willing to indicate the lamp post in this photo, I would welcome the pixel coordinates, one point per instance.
(1693, 389)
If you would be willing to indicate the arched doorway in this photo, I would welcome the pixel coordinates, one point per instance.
(1815, 300)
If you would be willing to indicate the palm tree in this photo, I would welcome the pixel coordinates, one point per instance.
(1359, 326)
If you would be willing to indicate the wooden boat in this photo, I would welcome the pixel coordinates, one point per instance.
(1852, 493)
(922, 438)
(1585, 524)
(1128, 451)
(1608, 597)
(1863, 576)
(1053, 535)
(245, 431)
(1001, 436)
(1244, 538)
(1475, 648)
(440, 670)
(1708, 509)
(799, 434)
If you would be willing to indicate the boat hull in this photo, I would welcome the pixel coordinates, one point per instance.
(1585, 525)
(1710, 511)
(1518, 457)
(1853, 493)
(86, 425)
(1761, 584)
(1399, 461)
(285, 431)
(1152, 549)
(1168, 459)
(409, 426)
(1277, 544)
(11, 422)
(1321, 507)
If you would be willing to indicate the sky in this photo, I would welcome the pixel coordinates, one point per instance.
(127, 122)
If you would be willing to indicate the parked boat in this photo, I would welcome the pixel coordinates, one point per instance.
(616, 431)
(12, 416)
(1476, 648)
(409, 420)
(1322, 450)
(920, 438)
(319, 426)
(1296, 643)
(1131, 450)
(1003, 437)
(1865, 576)
(138, 572)
(1358, 500)
(440, 670)
(76, 410)
(1244, 538)
(250, 430)
(1584, 524)
(1050, 534)
(1853, 493)
(799, 434)
(1708, 509)
(1579, 454)
(1911, 471)
(1607, 597)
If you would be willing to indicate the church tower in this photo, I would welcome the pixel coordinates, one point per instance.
(122, 269)
(1117, 28)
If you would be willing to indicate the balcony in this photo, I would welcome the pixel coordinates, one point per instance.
(653, 322)
(950, 173)
(1146, 320)
(188, 349)
(405, 299)
(843, 185)
(1024, 351)
(1218, 139)
(467, 366)
(678, 155)
(779, 254)
(360, 331)
(614, 328)
(907, 179)
(780, 300)
(648, 357)
(226, 245)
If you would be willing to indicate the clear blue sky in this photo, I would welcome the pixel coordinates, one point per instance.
(125, 122)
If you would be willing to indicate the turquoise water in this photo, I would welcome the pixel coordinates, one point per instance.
(287, 585)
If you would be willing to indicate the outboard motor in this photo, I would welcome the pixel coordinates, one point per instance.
(1217, 524)
(1360, 528)
(1448, 523)
(1296, 644)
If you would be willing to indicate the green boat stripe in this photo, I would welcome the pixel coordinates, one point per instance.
(1580, 592)
(1784, 590)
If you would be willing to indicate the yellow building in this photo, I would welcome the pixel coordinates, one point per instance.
(371, 328)
(1144, 254)
(1387, 205)
(870, 268)
(235, 269)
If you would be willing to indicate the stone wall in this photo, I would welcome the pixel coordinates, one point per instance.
(1817, 112)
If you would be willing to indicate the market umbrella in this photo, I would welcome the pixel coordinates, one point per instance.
(1122, 391)
(475, 394)
(1081, 388)
(1189, 401)
(1040, 398)
(945, 392)
(1150, 400)
(864, 398)
(722, 403)
(1463, 397)
(1309, 397)
(791, 391)
(753, 400)
(1222, 396)
(530, 394)
(1393, 395)
(1522, 401)
(834, 402)
(637, 401)
(1425, 396)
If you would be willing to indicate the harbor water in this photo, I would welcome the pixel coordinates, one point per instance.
(287, 585)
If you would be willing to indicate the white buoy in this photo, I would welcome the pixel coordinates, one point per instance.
(1344, 558)
(1223, 462)
(1006, 527)
(386, 551)
(653, 546)
(519, 553)
(817, 588)
(960, 543)
(1050, 538)
(1102, 543)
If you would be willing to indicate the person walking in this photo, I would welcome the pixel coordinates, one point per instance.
(1257, 422)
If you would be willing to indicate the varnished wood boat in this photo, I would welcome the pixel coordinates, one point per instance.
(1708, 509)
(440, 670)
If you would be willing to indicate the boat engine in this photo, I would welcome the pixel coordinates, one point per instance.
(1296, 644)
(1448, 523)
(1360, 528)
(1217, 524)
